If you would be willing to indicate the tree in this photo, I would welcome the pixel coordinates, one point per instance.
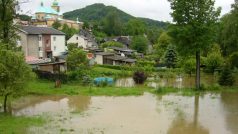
(77, 60)
(193, 30)
(214, 59)
(153, 34)
(233, 60)
(163, 42)
(140, 44)
(112, 24)
(85, 25)
(226, 77)
(72, 46)
(171, 57)
(56, 25)
(7, 28)
(189, 66)
(14, 73)
(228, 31)
(69, 31)
(111, 44)
(135, 27)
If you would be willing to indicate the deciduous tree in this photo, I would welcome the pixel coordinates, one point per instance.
(140, 43)
(193, 30)
(14, 73)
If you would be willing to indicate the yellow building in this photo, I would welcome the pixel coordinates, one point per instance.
(46, 16)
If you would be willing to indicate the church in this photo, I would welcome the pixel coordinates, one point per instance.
(46, 16)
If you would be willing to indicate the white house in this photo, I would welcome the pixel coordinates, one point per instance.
(84, 39)
(41, 42)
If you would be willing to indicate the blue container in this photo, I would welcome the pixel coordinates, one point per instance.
(100, 80)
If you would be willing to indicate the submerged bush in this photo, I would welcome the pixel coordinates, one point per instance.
(226, 77)
(139, 77)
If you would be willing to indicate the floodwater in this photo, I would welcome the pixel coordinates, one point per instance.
(176, 82)
(146, 114)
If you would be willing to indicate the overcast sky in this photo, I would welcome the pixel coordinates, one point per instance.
(153, 9)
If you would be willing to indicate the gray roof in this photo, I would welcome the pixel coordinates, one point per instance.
(121, 58)
(33, 30)
(104, 53)
(122, 49)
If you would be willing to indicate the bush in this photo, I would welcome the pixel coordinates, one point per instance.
(189, 66)
(52, 77)
(139, 77)
(226, 77)
(213, 62)
(87, 80)
(111, 44)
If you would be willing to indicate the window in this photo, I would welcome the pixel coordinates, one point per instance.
(39, 38)
(54, 38)
(47, 42)
(54, 48)
(77, 38)
(40, 48)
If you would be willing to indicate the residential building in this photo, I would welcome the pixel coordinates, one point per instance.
(83, 39)
(112, 59)
(100, 58)
(126, 52)
(41, 42)
(48, 15)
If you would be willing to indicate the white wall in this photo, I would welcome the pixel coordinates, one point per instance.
(58, 45)
(80, 41)
(99, 59)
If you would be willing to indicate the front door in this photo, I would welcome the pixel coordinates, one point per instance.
(49, 54)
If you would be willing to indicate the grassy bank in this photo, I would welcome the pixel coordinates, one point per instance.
(18, 125)
(39, 87)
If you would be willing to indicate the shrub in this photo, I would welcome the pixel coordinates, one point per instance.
(86, 80)
(213, 62)
(226, 77)
(111, 44)
(189, 66)
(139, 77)
(52, 77)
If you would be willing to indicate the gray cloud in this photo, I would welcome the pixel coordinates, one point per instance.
(154, 9)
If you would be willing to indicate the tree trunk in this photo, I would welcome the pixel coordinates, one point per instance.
(198, 70)
(5, 104)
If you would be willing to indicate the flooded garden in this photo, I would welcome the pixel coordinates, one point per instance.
(146, 114)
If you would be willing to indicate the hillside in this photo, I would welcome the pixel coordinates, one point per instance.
(98, 12)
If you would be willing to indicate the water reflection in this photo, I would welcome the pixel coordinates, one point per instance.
(181, 125)
(230, 104)
(125, 82)
(35, 105)
(176, 82)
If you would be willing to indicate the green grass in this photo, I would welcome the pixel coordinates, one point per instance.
(18, 125)
(39, 87)
(103, 71)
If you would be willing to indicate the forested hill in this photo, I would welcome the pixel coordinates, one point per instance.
(97, 12)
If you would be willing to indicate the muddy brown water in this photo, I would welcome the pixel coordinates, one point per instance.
(176, 82)
(146, 114)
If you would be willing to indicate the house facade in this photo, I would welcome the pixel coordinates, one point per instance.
(41, 42)
(84, 39)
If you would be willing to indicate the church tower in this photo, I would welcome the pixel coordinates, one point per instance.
(55, 6)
